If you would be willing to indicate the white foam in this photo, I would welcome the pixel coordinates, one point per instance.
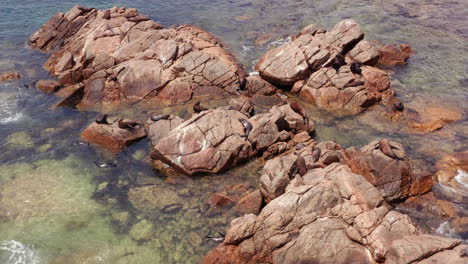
(15, 252)
(462, 178)
(8, 109)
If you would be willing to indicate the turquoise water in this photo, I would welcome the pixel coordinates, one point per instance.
(58, 207)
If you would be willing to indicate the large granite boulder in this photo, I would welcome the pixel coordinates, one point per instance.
(119, 55)
(332, 216)
(392, 176)
(316, 64)
(217, 139)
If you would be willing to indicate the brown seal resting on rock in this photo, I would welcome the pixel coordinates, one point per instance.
(127, 124)
(356, 68)
(197, 108)
(316, 154)
(102, 120)
(337, 62)
(301, 166)
(298, 109)
(386, 148)
(247, 127)
(398, 106)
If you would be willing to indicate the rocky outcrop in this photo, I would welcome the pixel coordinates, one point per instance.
(111, 137)
(217, 139)
(331, 216)
(391, 175)
(316, 64)
(391, 55)
(119, 55)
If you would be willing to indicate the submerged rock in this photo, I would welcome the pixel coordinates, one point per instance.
(5, 77)
(217, 139)
(391, 55)
(324, 67)
(119, 55)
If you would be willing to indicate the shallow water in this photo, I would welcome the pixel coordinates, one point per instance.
(58, 207)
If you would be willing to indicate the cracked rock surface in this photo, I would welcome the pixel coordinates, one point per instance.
(215, 140)
(119, 55)
(305, 64)
(331, 216)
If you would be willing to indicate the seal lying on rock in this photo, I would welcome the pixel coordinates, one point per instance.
(316, 154)
(298, 109)
(247, 127)
(102, 120)
(356, 68)
(386, 148)
(128, 124)
(197, 108)
(398, 106)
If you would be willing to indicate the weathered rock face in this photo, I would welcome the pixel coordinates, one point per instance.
(332, 216)
(392, 176)
(311, 64)
(111, 137)
(120, 55)
(217, 139)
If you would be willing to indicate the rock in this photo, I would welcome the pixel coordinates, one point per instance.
(250, 203)
(256, 85)
(417, 248)
(312, 66)
(421, 183)
(215, 140)
(391, 176)
(219, 200)
(364, 52)
(302, 137)
(336, 216)
(154, 199)
(9, 76)
(111, 137)
(159, 129)
(294, 61)
(449, 166)
(276, 176)
(121, 56)
(142, 230)
(48, 86)
(431, 117)
(345, 92)
(390, 55)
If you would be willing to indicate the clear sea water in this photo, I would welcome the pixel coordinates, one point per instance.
(56, 206)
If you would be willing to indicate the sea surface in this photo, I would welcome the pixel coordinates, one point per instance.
(57, 206)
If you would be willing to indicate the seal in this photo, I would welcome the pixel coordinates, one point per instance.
(247, 127)
(298, 109)
(337, 62)
(398, 107)
(386, 148)
(156, 118)
(316, 154)
(127, 124)
(106, 15)
(301, 166)
(102, 120)
(197, 108)
(356, 68)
